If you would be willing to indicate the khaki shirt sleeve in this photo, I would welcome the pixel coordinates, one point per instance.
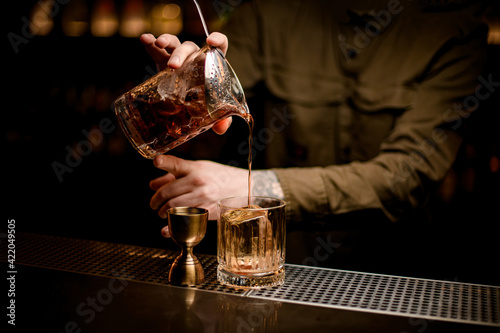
(415, 156)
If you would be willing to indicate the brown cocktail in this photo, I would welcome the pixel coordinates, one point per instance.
(251, 242)
(175, 105)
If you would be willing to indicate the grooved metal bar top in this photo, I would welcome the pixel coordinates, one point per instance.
(331, 288)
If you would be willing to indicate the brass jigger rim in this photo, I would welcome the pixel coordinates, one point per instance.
(187, 211)
(186, 268)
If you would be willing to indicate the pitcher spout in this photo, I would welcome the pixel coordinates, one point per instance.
(244, 108)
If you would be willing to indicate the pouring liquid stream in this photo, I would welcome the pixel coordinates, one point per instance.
(247, 116)
(249, 119)
(250, 122)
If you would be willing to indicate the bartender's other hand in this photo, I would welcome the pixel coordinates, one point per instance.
(194, 184)
(168, 51)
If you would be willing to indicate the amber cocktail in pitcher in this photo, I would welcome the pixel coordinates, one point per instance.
(175, 105)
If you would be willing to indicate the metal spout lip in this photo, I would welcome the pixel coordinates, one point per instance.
(221, 84)
(218, 51)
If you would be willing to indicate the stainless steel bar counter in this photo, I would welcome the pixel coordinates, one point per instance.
(72, 285)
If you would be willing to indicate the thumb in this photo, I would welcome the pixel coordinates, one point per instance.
(222, 126)
(174, 165)
(218, 40)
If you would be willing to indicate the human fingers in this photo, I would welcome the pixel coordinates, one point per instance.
(168, 42)
(222, 126)
(190, 199)
(218, 40)
(186, 200)
(172, 193)
(156, 183)
(165, 232)
(174, 165)
(180, 169)
(179, 52)
(159, 55)
(202, 186)
(147, 39)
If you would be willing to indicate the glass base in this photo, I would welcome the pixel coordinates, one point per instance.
(272, 279)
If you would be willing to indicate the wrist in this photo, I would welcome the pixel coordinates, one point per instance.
(266, 183)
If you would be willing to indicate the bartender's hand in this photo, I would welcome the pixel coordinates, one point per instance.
(168, 51)
(194, 184)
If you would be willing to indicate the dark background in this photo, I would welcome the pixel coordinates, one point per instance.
(57, 87)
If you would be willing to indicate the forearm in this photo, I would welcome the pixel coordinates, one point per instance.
(395, 182)
(319, 192)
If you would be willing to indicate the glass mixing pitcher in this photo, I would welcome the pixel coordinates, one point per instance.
(176, 105)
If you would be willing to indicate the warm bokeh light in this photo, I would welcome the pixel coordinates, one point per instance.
(75, 18)
(134, 20)
(494, 35)
(493, 22)
(41, 20)
(166, 18)
(171, 11)
(104, 22)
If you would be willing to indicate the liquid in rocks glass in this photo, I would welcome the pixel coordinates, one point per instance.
(175, 105)
(251, 242)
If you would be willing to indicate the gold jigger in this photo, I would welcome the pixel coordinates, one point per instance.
(187, 226)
